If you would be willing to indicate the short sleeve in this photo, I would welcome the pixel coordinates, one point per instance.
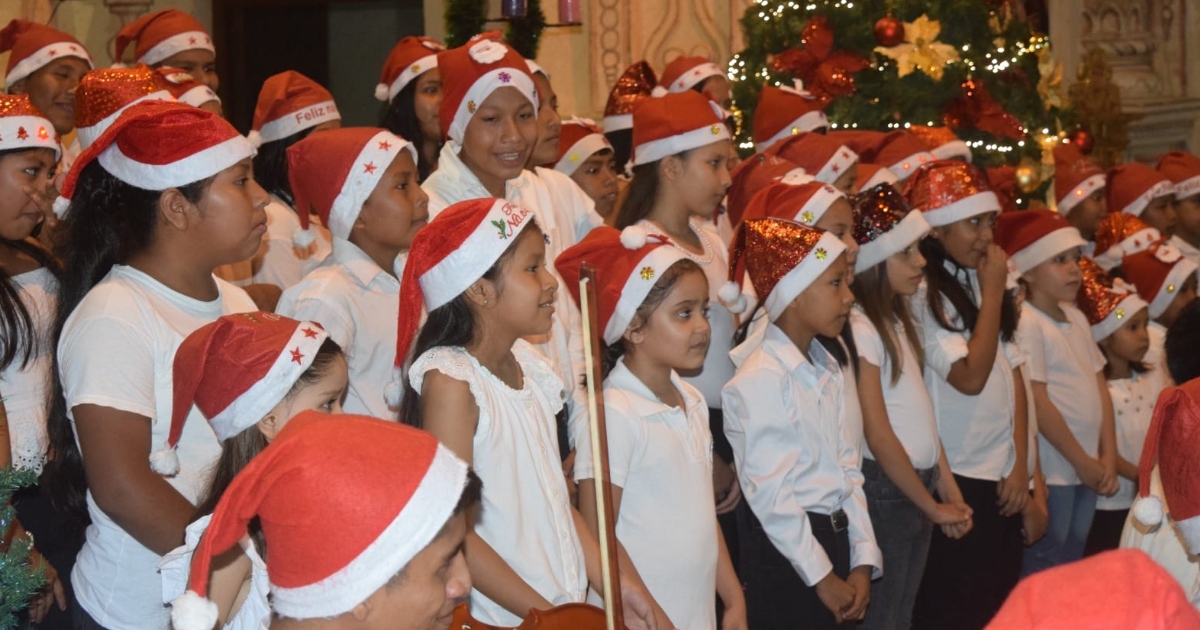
(1014, 354)
(451, 361)
(867, 340)
(626, 436)
(107, 362)
(1032, 341)
(943, 348)
(341, 328)
(537, 368)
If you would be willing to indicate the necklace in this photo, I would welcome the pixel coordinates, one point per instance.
(705, 245)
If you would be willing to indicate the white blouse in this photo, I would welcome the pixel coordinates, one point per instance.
(25, 388)
(176, 567)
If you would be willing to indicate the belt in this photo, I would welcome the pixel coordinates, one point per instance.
(837, 522)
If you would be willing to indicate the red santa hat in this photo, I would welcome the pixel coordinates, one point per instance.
(1158, 272)
(872, 175)
(24, 126)
(1132, 186)
(410, 58)
(103, 94)
(1076, 177)
(185, 88)
(823, 157)
(683, 73)
(628, 264)
(161, 35)
(345, 503)
(1107, 303)
(786, 111)
(1116, 590)
(470, 74)
(948, 191)
(752, 175)
(636, 83)
(884, 225)
(1183, 169)
(334, 172)
(1171, 444)
(675, 123)
(133, 151)
(236, 370)
(795, 197)
(864, 143)
(901, 152)
(782, 258)
(34, 45)
(579, 140)
(289, 103)
(1032, 237)
(942, 142)
(1119, 235)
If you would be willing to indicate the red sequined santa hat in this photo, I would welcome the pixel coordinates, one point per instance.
(884, 225)
(34, 45)
(1132, 186)
(1183, 169)
(410, 58)
(948, 191)
(1032, 237)
(1171, 444)
(782, 258)
(236, 370)
(133, 151)
(24, 126)
(942, 142)
(685, 72)
(636, 83)
(628, 263)
(1158, 272)
(823, 157)
(470, 73)
(185, 88)
(1119, 235)
(872, 175)
(334, 172)
(161, 35)
(345, 503)
(752, 175)
(786, 111)
(1107, 303)
(675, 123)
(1076, 177)
(901, 152)
(579, 140)
(289, 103)
(103, 94)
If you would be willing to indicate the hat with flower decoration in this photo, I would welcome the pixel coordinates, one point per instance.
(884, 225)
(1108, 303)
(675, 123)
(1158, 272)
(785, 111)
(579, 139)
(410, 58)
(1119, 235)
(782, 258)
(470, 73)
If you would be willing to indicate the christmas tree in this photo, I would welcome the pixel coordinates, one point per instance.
(18, 580)
(975, 66)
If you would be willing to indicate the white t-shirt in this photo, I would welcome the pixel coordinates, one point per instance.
(1133, 406)
(255, 610)
(1064, 356)
(357, 302)
(661, 457)
(1156, 356)
(117, 350)
(26, 387)
(909, 409)
(526, 515)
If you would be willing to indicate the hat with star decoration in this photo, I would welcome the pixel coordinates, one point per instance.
(235, 370)
(785, 111)
(1107, 302)
(782, 258)
(823, 157)
(34, 45)
(470, 73)
(795, 197)
(162, 34)
(580, 139)
(684, 72)
(1132, 186)
(1119, 235)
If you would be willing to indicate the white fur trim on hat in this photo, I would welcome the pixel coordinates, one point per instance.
(690, 78)
(880, 176)
(656, 150)
(909, 165)
(817, 205)
(637, 286)
(1138, 206)
(583, 149)
(843, 160)
(534, 68)
(386, 93)
(483, 88)
(198, 96)
(1176, 277)
(795, 281)
(1046, 247)
(299, 120)
(1111, 258)
(809, 121)
(965, 208)
(88, 135)
(39, 134)
(909, 230)
(368, 167)
(426, 512)
(618, 122)
(1189, 530)
(60, 206)
(43, 56)
(456, 272)
(952, 149)
(1187, 187)
(193, 168)
(1126, 308)
(1079, 193)
(189, 40)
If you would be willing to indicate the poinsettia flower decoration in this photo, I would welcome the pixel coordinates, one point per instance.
(825, 73)
(921, 50)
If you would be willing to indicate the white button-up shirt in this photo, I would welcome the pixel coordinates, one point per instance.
(784, 418)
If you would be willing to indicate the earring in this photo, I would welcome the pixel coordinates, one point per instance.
(485, 301)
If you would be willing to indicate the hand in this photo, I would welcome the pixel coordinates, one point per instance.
(1109, 484)
(51, 593)
(1013, 491)
(835, 594)
(954, 531)
(1091, 474)
(638, 607)
(860, 579)
(1034, 520)
(723, 476)
(568, 467)
(733, 496)
(949, 513)
(993, 271)
(735, 618)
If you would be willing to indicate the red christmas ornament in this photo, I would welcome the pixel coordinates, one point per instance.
(889, 31)
(1082, 139)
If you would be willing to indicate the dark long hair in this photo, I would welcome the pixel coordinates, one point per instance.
(400, 118)
(643, 190)
(271, 166)
(885, 308)
(622, 143)
(942, 284)
(107, 222)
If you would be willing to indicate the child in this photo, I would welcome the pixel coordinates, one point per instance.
(379, 546)
(903, 463)
(698, 74)
(967, 323)
(1080, 191)
(1119, 235)
(248, 374)
(634, 84)
(900, 151)
(754, 174)
(491, 398)
(652, 305)
(826, 159)
(808, 549)
(786, 111)
(586, 156)
(1077, 439)
(1137, 189)
(362, 182)
(147, 225)
(1167, 282)
(173, 39)
(868, 176)
(46, 64)
(411, 85)
(103, 94)
(942, 143)
(1183, 169)
(1118, 318)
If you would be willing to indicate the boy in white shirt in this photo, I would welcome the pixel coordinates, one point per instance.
(1183, 169)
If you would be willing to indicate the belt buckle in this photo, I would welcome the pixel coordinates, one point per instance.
(839, 521)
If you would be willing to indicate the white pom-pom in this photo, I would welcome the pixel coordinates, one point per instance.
(165, 462)
(729, 292)
(658, 91)
(304, 237)
(394, 389)
(739, 305)
(255, 138)
(634, 237)
(192, 612)
(1148, 510)
(60, 206)
(381, 92)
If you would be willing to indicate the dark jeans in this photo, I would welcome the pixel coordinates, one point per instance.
(1105, 535)
(57, 540)
(967, 580)
(903, 534)
(82, 620)
(776, 597)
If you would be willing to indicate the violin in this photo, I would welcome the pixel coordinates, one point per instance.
(576, 616)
